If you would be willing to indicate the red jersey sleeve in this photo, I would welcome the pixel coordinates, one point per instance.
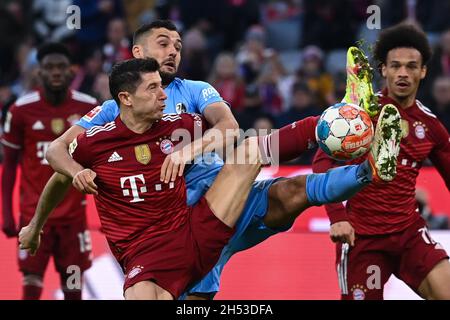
(190, 128)
(13, 135)
(195, 124)
(79, 150)
(322, 163)
(440, 154)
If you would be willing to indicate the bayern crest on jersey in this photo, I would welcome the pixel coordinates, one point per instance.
(420, 129)
(166, 146)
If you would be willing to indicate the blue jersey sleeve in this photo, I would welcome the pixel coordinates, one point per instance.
(100, 115)
(203, 95)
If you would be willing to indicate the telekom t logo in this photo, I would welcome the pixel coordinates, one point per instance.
(133, 187)
(41, 150)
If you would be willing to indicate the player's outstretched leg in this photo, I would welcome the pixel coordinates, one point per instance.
(359, 89)
(229, 192)
(436, 285)
(288, 198)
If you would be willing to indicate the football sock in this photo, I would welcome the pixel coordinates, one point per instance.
(31, 287)
(72, 295)
(289, 142)
(31, 292)
(337, 184)
(69, 294)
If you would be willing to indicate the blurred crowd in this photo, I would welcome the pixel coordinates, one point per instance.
(274, 61)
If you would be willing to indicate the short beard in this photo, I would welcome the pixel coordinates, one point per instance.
(166, 78)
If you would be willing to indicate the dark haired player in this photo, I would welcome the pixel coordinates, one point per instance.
(380, 231)
(32, 123)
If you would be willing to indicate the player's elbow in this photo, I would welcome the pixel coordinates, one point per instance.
(52, 151)
(233, 129)
(230, 128)
(233, 124)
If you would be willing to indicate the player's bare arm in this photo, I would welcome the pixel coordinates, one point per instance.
(54, 192)
(60, 160)
(58, 156)
(10, 162)
(221, 120)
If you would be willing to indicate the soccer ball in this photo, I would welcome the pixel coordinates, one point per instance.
(344, 131)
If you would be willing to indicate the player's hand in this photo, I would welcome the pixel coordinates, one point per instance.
(9, 229)
(83, 181)
(29, 239)
(342, 231)
(173, 165)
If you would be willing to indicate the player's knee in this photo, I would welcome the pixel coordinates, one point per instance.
(246, 153)
(252, 150)
(32, 280)
(293, 195)
(287, 200)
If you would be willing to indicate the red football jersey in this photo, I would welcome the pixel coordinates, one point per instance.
(30, 125)
(383, 207)
(133, 203)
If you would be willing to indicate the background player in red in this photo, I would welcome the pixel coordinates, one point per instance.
(162, 244)
(32, 123)
(381, 223)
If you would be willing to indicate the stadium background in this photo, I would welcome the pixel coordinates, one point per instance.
(275, 62)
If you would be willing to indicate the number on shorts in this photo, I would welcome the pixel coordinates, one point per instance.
(426, 236)
(85, 241)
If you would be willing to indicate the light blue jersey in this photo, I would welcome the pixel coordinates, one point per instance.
(193, 97)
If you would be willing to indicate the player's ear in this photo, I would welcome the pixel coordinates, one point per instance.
(124, 98)
(39, 72)
(138, 51)
(72, 73)
(423, 72)
(383, 70)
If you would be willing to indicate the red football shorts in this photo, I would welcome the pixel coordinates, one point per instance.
(364, 269)
(69, 244)
(175, 259)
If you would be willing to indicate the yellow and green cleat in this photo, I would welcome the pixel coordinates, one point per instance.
(359, 89)
(386, 144)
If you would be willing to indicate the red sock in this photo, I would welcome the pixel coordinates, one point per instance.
(72, 295)
(289, 142)
(31, 292)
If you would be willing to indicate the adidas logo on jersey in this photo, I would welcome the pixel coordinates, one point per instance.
(38, 125)
(115, 157)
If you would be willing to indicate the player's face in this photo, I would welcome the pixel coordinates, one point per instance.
(149, 98)
(55, 72)
(164, 46)
(403, 71)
